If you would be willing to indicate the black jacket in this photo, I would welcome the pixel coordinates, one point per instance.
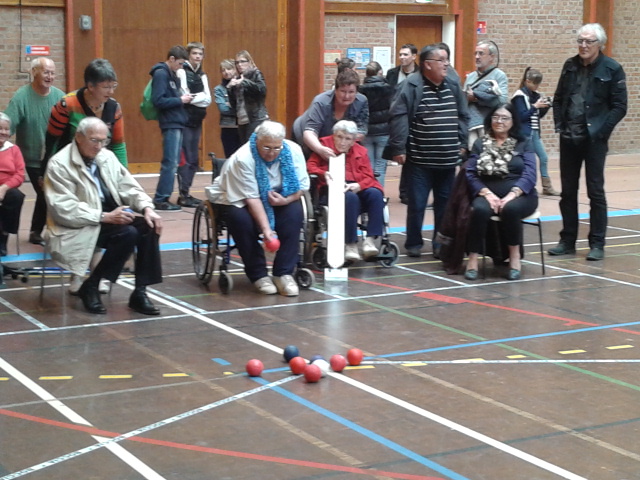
(254, 91)
(379, 94)
(605, 98)
(166, 95)
(394, 73)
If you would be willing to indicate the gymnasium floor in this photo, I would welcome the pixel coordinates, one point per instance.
(530, 380)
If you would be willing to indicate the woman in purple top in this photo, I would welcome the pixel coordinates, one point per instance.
(501, 173)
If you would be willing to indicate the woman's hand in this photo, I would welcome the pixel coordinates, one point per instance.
(325, 152)
(494, 202)
(354, 187)
(541, 103)
(277, 200)
(3, 191)
(506, 199)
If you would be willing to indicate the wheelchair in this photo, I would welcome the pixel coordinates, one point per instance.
(211, 241)
(388, 254)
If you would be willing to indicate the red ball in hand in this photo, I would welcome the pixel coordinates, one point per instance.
(272, 245)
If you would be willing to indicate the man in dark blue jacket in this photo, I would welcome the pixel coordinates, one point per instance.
(169, 99)
(590, 100)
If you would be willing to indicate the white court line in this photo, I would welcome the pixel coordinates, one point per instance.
(24, 314)
(117, 450)
(113, 443)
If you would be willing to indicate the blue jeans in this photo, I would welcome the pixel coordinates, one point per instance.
(538, 147)
(369, 201)
(420, 181)
(375, 145)
(171, 145)
(191, 147)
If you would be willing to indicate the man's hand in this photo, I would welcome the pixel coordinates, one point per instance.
(186, 98)
(153, 220)
(119, 216)
(470, 96)
(400, 159)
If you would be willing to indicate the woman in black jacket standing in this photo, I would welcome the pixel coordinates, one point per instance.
(247, 93)
(379, 94)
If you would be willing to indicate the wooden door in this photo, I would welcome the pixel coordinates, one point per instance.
(419, 30)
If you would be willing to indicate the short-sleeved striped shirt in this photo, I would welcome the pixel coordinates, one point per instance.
(433, 135)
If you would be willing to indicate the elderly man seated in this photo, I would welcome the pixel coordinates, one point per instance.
(259, 188)
(92, 200)
(363, 193)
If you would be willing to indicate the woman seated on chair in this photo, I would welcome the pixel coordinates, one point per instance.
(259, 188)
(11, 177)
(363, 193)
(501, 172)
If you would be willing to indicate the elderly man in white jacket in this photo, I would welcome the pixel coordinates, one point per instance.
(94, 201)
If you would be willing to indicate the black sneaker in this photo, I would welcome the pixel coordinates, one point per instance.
(595, 254)
(189, 202)
(167, 206)
(562, 249)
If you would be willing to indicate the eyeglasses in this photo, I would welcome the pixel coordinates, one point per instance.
(585, 41)
(111, 87)
(441, 60)
(501, 118)
(237, 62)
(100, 143)
(271, 149)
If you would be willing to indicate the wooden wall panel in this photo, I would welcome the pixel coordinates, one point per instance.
(137, 35)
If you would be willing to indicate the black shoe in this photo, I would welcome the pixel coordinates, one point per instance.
(4, 237)
(513, 274)
(90, 296)
(471, 274)
(141, 303)
(189, 202)
(166, 206)
(595, 254)
(436, 251)
(414, 252)
(36, 238)
(562, 249)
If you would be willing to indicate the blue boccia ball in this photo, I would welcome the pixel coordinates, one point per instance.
(290, 351)
(316, 357)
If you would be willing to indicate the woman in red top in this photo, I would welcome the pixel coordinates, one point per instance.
(363, 193)
(11, 177)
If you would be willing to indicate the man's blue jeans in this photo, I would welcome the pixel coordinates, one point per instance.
(171, 145)
(420, 181)
(375, 145)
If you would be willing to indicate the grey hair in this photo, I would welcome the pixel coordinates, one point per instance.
(5, 118)
(598, 30)
(346, 126)
(38, 62)
(270, 129)
(88, 124)
(493, 48)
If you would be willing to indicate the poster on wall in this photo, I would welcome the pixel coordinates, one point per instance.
(481, 27)
(361, 56)
(330, 56)
(382, 55)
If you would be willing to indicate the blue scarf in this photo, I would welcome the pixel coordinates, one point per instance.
(290, 183)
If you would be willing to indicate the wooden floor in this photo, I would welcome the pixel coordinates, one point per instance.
(530, 380)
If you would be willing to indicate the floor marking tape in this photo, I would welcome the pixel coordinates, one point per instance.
(481, 361)
(111, 442)
(24, 314)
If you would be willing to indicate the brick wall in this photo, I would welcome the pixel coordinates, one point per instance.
(39, 26)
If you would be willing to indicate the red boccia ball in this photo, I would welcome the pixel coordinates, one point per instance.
(355, 356)
(272, 245)
(312, 373)
(338, 362)
(297, 365)
(254, 367)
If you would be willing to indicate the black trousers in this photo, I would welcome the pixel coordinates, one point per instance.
(10, 209)
(39, 217)
(119, 242)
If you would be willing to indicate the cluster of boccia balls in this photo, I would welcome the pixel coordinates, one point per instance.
(317, 367)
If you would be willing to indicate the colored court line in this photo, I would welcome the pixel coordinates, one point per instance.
(173, 375)
(114, 377)
(56, 377)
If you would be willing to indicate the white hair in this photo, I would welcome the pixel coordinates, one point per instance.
(346, 126)
(271, 129)
(597, 30)
(5, 118)
(90, 124)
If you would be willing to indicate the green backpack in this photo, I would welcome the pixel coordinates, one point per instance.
(147, 108)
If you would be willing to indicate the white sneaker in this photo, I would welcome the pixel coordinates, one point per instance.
(287, 286)
(351, 253)
(75, 282)
(104, 286)
(369, 248)
(265, 285)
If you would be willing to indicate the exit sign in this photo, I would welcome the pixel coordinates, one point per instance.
(38, 50)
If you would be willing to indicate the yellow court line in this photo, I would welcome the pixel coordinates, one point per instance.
(515, 357)
(57, 377)
(618, 347)
(228, 373)
(4, 379)
(171, 375)
(414, 364)
(359, 367)
(114, 377)
(570, 352)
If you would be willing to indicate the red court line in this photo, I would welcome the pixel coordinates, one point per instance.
(217, 451)
(457, 300)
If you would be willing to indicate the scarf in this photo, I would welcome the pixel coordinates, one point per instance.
(494, 160)
(290, 183)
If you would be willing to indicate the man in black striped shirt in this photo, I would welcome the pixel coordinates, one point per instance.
(429, 132)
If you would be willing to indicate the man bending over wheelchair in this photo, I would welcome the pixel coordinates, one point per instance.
(259, 189)
(363, 193)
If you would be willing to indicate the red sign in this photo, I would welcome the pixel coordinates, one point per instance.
(38, 50)
(481, 27)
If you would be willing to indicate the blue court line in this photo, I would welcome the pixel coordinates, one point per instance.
(365, 432)
(221, 361)
(506, 340)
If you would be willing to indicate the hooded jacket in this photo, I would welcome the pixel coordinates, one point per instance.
(165, 95)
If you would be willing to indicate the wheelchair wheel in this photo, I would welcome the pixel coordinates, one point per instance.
(308, 228)
(319, 258)
(389, 253)
(204, 242)
(305, 278)
(225, 282)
